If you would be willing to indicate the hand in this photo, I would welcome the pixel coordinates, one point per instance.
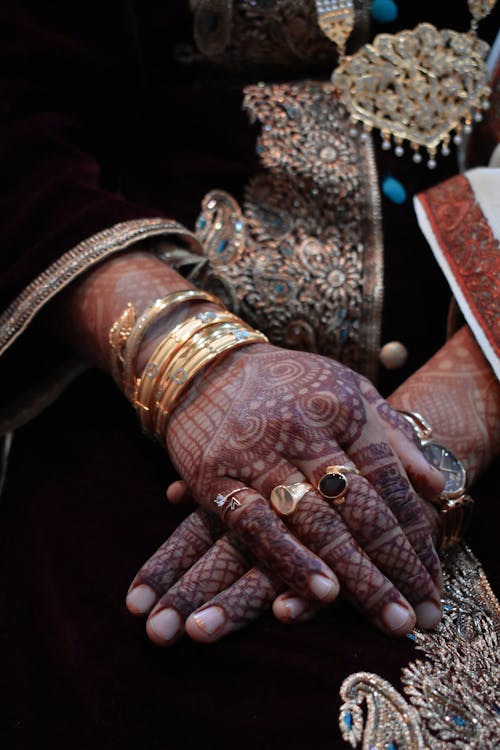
(266, 416)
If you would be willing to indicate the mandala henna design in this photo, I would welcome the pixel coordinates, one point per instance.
(260, 410)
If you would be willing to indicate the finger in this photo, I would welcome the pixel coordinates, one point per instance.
(382, 468)
(359, 570)
(232, 609)
(425, 478)
(178, 493)
(251, 519)
(361, 580)
(190, 540)
(223, 564)
(289, 608)
(392, 543)
(383, 570)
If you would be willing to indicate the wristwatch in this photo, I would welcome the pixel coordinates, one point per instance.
(454, 504)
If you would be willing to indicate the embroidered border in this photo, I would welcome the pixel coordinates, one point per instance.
(454, 694)
(470, 248)
(303, 260)
(19, 314)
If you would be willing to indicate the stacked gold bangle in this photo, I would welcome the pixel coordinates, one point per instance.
(191, 346)
(127, 333)
(205, 347)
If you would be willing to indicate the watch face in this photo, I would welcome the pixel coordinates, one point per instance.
(449, 465)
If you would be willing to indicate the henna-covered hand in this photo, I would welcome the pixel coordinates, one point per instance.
(266, 416)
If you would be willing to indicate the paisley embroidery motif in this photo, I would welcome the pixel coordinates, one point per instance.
(454, 699)
(302, 260)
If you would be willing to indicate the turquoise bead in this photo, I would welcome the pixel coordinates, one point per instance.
(384, 11)
(394, 190)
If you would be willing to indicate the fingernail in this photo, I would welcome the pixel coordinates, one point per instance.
(165, 624)
(294, 607)
(141, 598)
(323, 587)
(428, 615)
(210, 620)
(397, 618)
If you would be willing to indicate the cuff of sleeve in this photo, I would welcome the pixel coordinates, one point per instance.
(34, 369)
(26, 306)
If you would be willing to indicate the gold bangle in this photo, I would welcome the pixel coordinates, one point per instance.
(117, 338)
(159, 361)
(202, 345)
(209, 348)
(126, 333)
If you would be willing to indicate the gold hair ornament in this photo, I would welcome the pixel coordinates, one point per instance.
(415, 86)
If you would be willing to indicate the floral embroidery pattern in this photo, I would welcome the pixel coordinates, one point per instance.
(453, 696)
(302, 260)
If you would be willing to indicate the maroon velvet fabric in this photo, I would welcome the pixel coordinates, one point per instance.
(100, 124)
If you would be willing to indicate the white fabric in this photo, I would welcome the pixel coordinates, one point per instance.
(495, 157)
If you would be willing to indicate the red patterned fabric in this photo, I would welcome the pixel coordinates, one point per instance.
(470, 249)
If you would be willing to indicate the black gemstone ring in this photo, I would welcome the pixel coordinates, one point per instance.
(334, 484)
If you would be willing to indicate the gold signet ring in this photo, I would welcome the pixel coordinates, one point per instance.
(286, 497)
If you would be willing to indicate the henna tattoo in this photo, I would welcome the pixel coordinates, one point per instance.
(266, 537)
(459, 395)
(388, 415)
(327, 534)
(370, 454)
(245, 600)
(390, 484)
(292, 404)
(84, 313)
(183, 548)
(223, 564)
(246, 418)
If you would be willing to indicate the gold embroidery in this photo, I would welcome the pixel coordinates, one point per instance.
(267, 32)
(303, 261)
(19, 314)
(391, 724)
(416, 86)
(454, 693)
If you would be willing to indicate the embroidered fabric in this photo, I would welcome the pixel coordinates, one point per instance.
(20, 313)
(465, 242)
(453, 695)
(302, 261)
(237, 33)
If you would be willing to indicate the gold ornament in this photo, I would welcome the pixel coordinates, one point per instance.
(416, 86)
